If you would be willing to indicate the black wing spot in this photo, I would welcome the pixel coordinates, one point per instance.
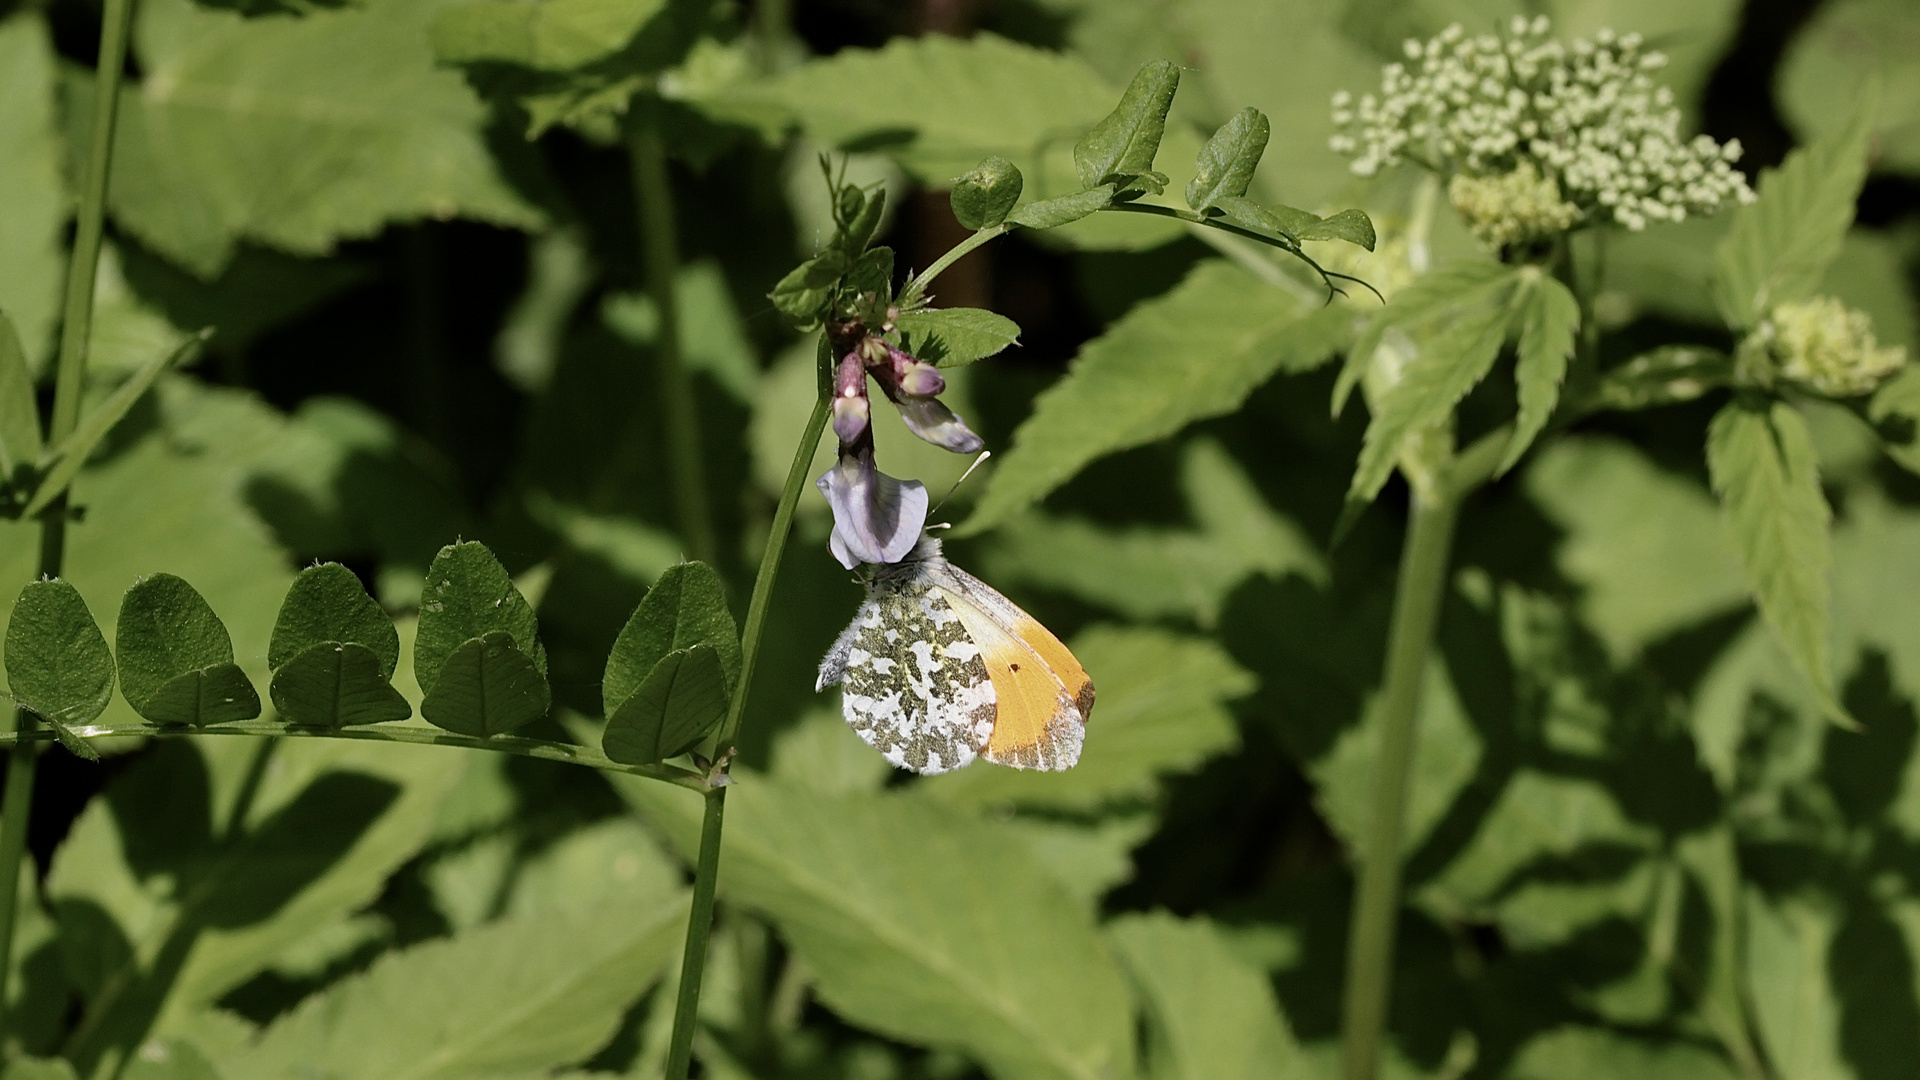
(1013, 667)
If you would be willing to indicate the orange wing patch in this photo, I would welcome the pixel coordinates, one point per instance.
(1038, 721)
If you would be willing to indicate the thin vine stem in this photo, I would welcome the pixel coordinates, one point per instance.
(660, 251)
(706, 872)
(69, 383)
(1283, 243)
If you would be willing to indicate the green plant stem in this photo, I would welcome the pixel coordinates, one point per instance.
(680, 416)
(700, 919)
(1376, 905)
(396, 733)
(918, 286)
(69, 383)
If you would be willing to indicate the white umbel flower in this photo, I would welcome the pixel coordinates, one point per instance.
(1586, 117)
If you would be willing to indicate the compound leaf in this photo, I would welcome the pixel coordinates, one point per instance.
(486, 687)
(334, 684)
(682, 699)
(327, 603)
(686, 607)
(469, 595)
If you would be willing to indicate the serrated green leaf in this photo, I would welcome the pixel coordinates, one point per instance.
(683, 698)
(953, 337)
(922, 923)
(166, 630)
(335, 684)
(469, 595)
(1161, 712)
(983, 196)
(294, 132)
(62, 461)
(57, 659)
(1548, 316)
(1062, 210)
(1779, 247)
(1211, 1014)
(327, 603)
(1125, 142)
(34, 203)
(1764, 469)
(686, 607)
(1796, 1012)
(556, 35)
(19, 409)
(1453, 353)
(1195, 352)
(513, 998)
(1456, 284)
(1226, 163)
(209, 695)
(486, 687)
(1830, 62)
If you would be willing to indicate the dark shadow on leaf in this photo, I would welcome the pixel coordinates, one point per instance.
(293, 848)
(1871, 968)
(1864, 769)
(163, 810)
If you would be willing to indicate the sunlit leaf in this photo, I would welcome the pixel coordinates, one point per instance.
(1832, 59)
(1227, 161)
(1768, 479)
(1125, 142)
(34, 203)
(1062, 209)
(982, 196)
(1778, 248)
(1211, 1015)
(1549, 316)
(552, 36)
(1195, 352)
(1583, 1051)
(951, 337)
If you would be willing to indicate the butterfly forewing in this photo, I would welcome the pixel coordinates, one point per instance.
(912, 680)
(1040, 718)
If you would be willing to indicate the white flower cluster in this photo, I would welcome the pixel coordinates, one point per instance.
(1587, 116)
(1820, 344)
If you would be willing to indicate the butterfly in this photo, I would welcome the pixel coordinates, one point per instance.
(938, 668)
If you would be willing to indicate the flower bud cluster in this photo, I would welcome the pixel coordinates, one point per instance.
(877, 518)
(1512, 208)
(1586, 117)
(1822, 345)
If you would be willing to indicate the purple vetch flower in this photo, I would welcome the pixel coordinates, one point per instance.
(876, 518)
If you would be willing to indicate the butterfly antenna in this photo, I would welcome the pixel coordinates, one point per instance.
(977, 462)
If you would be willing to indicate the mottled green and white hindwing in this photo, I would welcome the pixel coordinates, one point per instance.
(911, 681)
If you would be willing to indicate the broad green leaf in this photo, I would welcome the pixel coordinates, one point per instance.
(295, 132)
(328, 823)
(1580, 1051)
(1161, 710)
(1831, 61)
(556, 35)
(1765, 472)
(25, 1068)
(65, 459)
(683, 698)
(1434, 294)
(1124, 143)
(686, 607)
(327, 604)
(951, 337)
(486, 687)
(808, 288)
(1800, 1019)
(1211, 1015)
(1549, 316)
(334, 684)
(1453, 353)
(613, 861)
(34, 203)
(1227, 161)
(922, 923)
(983, 195)
(1642, 543)
(19, 409)
(1062, 209)
(512, 998)
(167, 631)
(469, 595)
(210, 695)
(169, 1059)
(1779, 248)
(57, 659)
(1148, 573)
(1195, 352)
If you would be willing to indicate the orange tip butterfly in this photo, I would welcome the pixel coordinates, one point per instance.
(938, 668)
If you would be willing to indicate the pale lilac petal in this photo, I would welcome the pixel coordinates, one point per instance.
(850, 417)
(876, 518)
(934, 422)
(922, 380)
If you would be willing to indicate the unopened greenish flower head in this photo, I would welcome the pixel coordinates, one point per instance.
(1822, 345)
(1587, 116)
(1512, 207)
